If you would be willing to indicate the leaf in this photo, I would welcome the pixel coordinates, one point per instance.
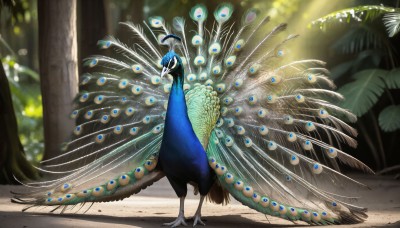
(392, 79)
(364, 92)
(365, 60)
(359, 39)
(392, 23)
(389, 118)
(359, 14)
(341, 69)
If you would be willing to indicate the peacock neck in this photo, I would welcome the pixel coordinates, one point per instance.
(177, 84)
(177, 118)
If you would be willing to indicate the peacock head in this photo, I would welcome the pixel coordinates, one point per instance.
(171, 62)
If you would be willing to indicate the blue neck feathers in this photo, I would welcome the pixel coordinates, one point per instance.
(177, 116)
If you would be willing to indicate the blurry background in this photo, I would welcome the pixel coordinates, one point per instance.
(361, 52)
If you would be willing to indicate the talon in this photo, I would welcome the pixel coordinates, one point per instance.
(179, 221)
(197, 220)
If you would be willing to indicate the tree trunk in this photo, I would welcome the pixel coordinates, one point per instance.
(92, 27)
(58, 70)
(12, 157)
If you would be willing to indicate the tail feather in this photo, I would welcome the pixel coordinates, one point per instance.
(218, 194)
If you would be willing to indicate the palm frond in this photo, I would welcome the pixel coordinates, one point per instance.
(364, 92)
(392, 79)
(364, 60)
(358, 14)
(389, 118)
(392, 23)
(361, 38)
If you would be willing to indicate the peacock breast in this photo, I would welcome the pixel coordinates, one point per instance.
(203, 111)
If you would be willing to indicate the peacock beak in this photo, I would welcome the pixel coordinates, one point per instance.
(164, 71)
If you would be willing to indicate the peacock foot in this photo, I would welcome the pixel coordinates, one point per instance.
(197, 220)
(179, 221)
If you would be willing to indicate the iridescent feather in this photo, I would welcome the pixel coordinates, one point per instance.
(269, 131)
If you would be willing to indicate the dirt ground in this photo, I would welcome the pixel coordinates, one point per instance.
(158, 204)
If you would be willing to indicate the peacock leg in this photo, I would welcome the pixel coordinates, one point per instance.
(180, 220)
(197, 216)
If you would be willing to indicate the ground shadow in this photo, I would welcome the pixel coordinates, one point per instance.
(50, 220)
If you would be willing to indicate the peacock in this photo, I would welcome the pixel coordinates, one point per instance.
(226, 110)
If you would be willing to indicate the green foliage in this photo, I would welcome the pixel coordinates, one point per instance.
(392, 79)
(357, 14)
(362, 94)
(370, 57)
(361, 38)
(25, 89)
(364, 59)
(389, 118)
(392, 23)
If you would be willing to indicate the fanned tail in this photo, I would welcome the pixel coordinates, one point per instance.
(268, 147)
(119, 114)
